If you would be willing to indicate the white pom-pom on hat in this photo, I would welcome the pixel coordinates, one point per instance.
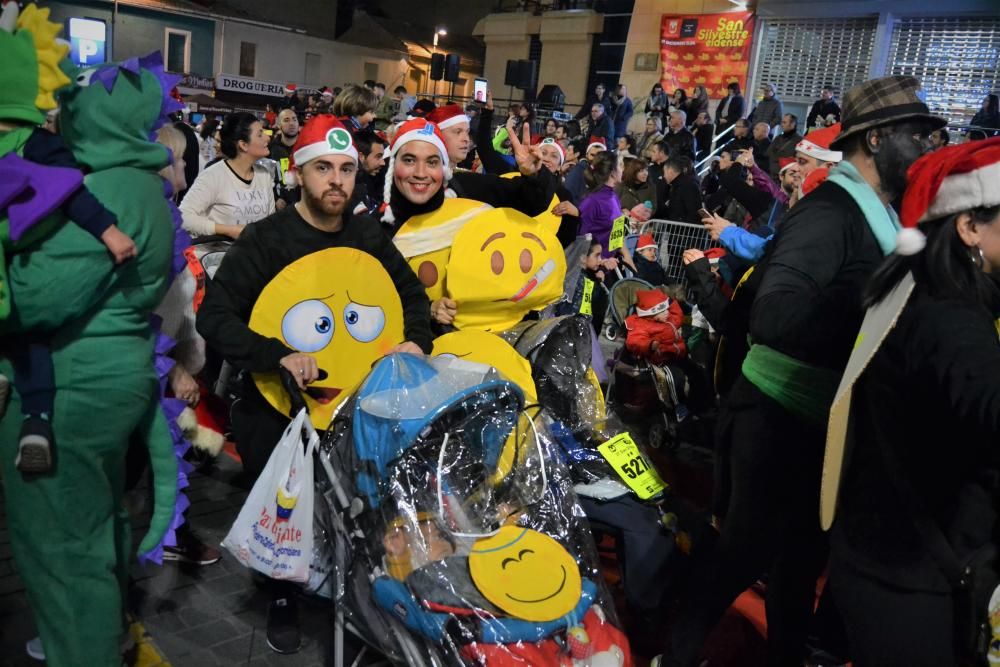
(910, 241)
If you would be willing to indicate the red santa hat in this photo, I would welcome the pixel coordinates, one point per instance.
(650, 302)
(416, 129)
(596, 141)
(948, 181)
(817, 144)
(713, 255)
(447, 115)
(646, 241)
(290, 88)
(326, 92)
(785, 163)
(549, 141)
(321, 135)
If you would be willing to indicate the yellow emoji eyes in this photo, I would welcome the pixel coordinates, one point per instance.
(364, 323)
(496, 262)
(308, 326)
(520, 555)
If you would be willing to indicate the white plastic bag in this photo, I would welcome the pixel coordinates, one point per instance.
(273, 533)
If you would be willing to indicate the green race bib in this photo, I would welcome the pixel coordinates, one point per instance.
(587, 303)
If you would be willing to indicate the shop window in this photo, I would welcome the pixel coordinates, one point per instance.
(312, 74)
(248, 59)
(177, 46)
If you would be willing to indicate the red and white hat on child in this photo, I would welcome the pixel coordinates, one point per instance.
(321, 135)
(326, 92)
(646, 241)
(714, 255)
(785, 163)
(290, 88)
(948, 181)
(448, 115)
(651, 302)
(416, 129)
(817, 144)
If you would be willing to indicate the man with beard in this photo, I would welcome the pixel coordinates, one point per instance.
(803, 325)
(326, 163)
(280, 149)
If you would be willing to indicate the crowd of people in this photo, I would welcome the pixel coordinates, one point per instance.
(818, 232)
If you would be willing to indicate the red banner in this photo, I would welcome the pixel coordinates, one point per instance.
(710, 50)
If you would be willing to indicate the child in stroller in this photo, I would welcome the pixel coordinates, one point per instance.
(459, 538)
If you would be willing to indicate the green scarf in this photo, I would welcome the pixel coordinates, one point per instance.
(804, 390)
(882, 219)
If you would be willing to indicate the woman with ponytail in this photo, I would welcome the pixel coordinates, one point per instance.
(601, 206)
(914, 530)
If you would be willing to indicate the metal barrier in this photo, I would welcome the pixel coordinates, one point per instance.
(673, 238)
(704, 165)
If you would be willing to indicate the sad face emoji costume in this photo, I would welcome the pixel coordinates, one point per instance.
(346, 318)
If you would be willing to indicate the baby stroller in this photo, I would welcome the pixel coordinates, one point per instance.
(633, 392)
(455, 534)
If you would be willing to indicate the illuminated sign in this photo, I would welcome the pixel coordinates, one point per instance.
(87, 41)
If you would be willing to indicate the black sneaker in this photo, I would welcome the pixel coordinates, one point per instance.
(34, 450)
(283, 634)
(191, 550)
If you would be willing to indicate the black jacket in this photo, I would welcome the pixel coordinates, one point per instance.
(753, 200)
(782, 145)
(491, 160)
(738, 144)
(809, 302)
(931, 396)
(734, 113)
(681, 143)
(528, 194)
(685, 200)
(603, 128)
(262, 251)
(703, 136)
(822, 109)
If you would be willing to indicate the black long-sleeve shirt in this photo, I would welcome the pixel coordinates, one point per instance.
(809, 302)
(43, 147)
(528, 194)
(268, 246)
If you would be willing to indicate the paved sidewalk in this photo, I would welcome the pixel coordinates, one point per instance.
(196, 617)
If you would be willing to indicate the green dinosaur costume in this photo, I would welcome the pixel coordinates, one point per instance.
(69, 531)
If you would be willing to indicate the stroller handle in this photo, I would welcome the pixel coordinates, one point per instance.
(292, 389)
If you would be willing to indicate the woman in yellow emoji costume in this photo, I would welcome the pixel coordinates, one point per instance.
(319, 292)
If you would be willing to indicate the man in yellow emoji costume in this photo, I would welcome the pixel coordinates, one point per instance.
(318, 291)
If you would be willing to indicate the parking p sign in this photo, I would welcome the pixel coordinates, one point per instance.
(87, 39)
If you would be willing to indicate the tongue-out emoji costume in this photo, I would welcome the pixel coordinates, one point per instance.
(69, 531)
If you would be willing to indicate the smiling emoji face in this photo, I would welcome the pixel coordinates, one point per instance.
(338, 305)
(525, 573)
(425, 241)
(503, 265)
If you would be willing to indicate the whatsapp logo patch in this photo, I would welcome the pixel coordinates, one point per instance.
(338, 139)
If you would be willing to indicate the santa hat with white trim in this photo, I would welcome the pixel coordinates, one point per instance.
(596, 141)
(817, 144)
(290, 88)
(322, 135)
(549, 141)
(417, 129)
(646, 241)
(650, 302)
(948, 181)
(447, 115)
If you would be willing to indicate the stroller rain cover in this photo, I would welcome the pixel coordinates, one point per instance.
(467, 541)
